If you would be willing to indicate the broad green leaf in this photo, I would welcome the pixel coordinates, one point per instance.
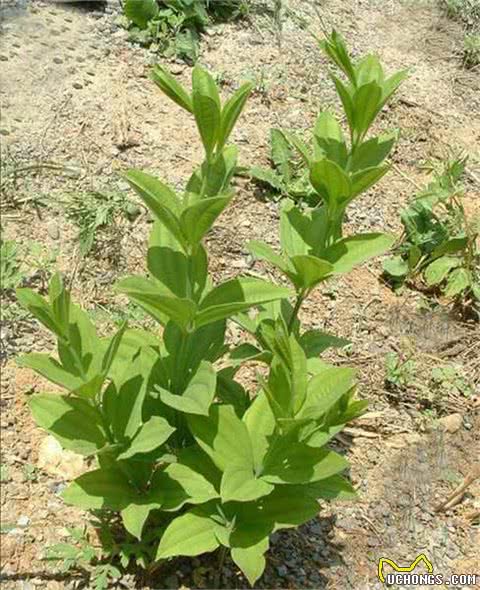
(169, 86)
(354, 250)
(206, 108)
(451, 246)
(260, 423)
(167, 261)
(295, 463)
(324, 390)
(240, 484)
(329, 140)
(160, 199)
(217, 174)
(190, 534)
(179, 484)
(197, 219)
(150, 436)
(347, 101)
(223, 436)
(251, 560)
(363, 180)
(74, 422)
(459, 280)
(314, 342)
(332, 488)
(140, 12)
(330, 181)
(231, 111)
(366, 101)
(157, 302)
(265, 252)
(302, 232)
(135, 516)
(51, 369)
(199, 394)
(373, 152)
(38, 307)
(369, 69)
(235, 296)
(396, 267)
(438, 270)
(231, 392)
(390, 86)
(59, 301)
(310, 270)
(102, 488)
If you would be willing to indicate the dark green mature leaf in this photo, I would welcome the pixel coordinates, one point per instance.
(140, 12)
(206, 108)
(199, 394)
(160, 199)
(151, 435)
(235, 296)
(102, 488)
(354, 250)
(332, 488)
(75, 423)
(223, 436)
(314, 342)
(169, 86)
(190, 534)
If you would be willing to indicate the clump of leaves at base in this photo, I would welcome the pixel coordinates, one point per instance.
(174, 27)
(439, 250)
(185, 458)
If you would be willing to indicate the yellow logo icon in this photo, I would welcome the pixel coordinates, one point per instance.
(408, 568)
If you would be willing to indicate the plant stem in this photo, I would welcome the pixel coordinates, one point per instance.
(221, 560)
(298, 304)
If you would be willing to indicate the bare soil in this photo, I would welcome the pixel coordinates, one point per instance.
(76, 95)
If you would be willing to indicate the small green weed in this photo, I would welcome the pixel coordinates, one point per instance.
(93, 211)
(449, 379)
(471, 50)
(399, 373)
(439, 245)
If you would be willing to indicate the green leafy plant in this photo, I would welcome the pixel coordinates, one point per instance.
(187, 460)
(451, 380)
(93, 211)
(399, 373)
(289, 176)
(471, 50)
(174, 27)
(439, 245)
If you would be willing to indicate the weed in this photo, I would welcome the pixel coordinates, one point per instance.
(471, 50)
(439, 244)
(449, 379)
(93, 211)
(399, 373)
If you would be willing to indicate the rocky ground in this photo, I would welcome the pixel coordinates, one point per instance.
(78, 107)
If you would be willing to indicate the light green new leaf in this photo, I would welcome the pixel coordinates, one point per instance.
(325, 390)
(240, 484)
(102, 488)
(347, 102)
(223, 436)
(197, 219)
(51, 369)
(329, 140)
(160, 199)
(190, 534)
(335, 48)
(330, 181)
(38, 307)
(390, 86)
(235, 296)
(74, 422)
(199, 394)
(260, 423)
(112, 349)
(150, 436)
(251, 560)
(396, 267)
(231, 111)
(354, 250)
(169, 86)
(438, 270)
(363, 180)
(265, 252)
(206, 108)
(373, 152)
(366, 101)
(369, 69)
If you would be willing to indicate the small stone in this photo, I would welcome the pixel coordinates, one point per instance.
(90, 73)
(53, 230)
(282, 571)
(55, 461)
(3, 58)
(23, 521)
(4, 132)
(57, 60)
(77, 85)
(451, 423)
